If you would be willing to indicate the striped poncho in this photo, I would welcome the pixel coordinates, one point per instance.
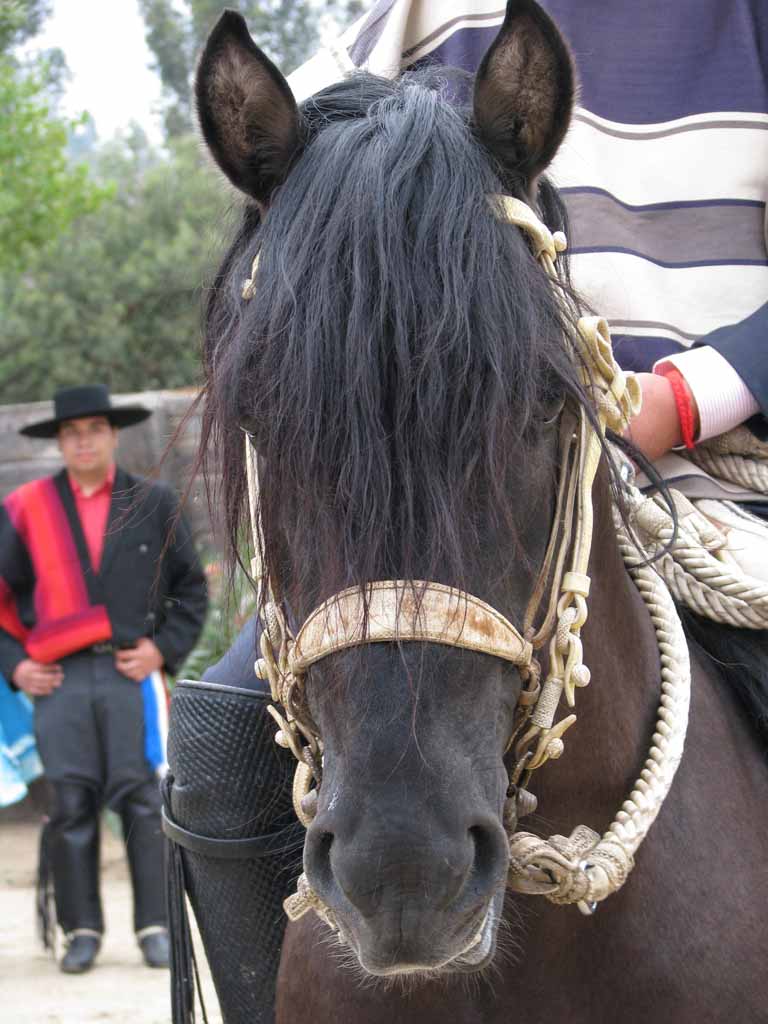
(664, 171)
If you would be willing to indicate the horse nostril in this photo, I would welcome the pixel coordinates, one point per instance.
(317, 856)
(451, 871)
(324, 844)
(491, 853)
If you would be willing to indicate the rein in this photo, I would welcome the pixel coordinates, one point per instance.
(583, 868)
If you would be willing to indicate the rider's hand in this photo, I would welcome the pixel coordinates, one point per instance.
(37, 679)
(139, 661)
(656, 429)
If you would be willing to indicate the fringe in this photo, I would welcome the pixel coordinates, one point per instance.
(45, 905)
(184, 973)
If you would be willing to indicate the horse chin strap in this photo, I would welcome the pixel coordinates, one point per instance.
(583, 868)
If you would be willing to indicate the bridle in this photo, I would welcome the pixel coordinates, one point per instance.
(583, 868)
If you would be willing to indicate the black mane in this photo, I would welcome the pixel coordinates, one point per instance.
(400, 351)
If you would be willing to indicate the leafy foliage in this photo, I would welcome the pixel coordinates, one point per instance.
(41, 193)
(116, 298)
(101, 272)
(168, 37)
(20, 20)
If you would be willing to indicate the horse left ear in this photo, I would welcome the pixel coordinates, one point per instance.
(247, 112)
(524, 91)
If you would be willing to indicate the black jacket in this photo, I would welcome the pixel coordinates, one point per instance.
(150, 579)
(745, 346)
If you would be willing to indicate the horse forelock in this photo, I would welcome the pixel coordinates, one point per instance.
(398, 352)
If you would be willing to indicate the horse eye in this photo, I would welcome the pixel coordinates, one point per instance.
(551, 411)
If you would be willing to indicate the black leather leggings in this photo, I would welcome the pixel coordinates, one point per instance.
(90, 733)
(74, 845)
(74, 848)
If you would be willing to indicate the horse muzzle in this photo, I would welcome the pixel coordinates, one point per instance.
(413, 899)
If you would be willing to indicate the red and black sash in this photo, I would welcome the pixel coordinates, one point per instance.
(45, 549)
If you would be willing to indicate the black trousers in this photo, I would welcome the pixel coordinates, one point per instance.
(90, 734)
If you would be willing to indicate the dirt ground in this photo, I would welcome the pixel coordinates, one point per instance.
(119, 990)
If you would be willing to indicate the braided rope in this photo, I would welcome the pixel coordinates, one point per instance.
(585, 868)
(711, 598)
(691, 568)
(751, 474)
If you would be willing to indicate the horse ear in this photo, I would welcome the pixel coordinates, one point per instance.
(247, 112)
(524, 91)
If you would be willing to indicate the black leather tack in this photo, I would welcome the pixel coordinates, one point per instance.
(231, 782)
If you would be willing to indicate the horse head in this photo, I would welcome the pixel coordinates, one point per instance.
(400, 362)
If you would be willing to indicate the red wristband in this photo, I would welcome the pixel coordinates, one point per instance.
(682, 401)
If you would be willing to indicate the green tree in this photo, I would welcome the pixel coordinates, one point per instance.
(20, 20)
(169, 39)
(117, 298)
(288, 30)
(111, 290)
(41, 192)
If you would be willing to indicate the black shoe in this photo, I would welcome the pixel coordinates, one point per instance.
(155, 949)
(80, 954)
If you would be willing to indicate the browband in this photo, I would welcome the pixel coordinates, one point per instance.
(399, 610)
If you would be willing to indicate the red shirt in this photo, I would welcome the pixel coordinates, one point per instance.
(93, 512)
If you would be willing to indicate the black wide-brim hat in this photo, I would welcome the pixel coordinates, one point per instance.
(90, 400)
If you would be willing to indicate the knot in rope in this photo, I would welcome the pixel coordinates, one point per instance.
(582, 868)
(618, 396)
(565, 624)
(305, 899)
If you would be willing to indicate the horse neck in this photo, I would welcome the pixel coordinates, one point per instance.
(713, 816)
(606, 747)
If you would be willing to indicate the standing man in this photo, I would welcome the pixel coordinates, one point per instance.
(100, 591)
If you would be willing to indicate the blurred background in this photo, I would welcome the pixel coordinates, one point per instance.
(111, 218)
(111, 221)
(108, 210)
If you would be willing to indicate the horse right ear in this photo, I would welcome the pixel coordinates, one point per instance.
(246, 109)
(524, 91)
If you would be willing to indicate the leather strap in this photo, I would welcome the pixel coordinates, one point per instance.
(398, 610)
(225, 849)
(202, 685)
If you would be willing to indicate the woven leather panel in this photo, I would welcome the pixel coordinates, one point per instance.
(230, 780)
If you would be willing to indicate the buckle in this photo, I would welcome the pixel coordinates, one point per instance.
(105, 648)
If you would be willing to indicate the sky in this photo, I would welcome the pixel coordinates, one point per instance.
(109, 64)
(103, 41)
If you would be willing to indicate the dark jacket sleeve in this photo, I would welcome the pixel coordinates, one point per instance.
(745, 346)
(11, 654)
(236, 667)
(16, 577)
(184, 596)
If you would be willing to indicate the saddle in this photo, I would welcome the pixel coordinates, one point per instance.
(712, 554)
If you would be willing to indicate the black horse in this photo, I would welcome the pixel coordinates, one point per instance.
(401, 369)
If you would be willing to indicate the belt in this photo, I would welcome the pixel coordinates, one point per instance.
(105, 648)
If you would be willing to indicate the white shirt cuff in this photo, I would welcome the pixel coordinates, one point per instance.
(723, 399)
